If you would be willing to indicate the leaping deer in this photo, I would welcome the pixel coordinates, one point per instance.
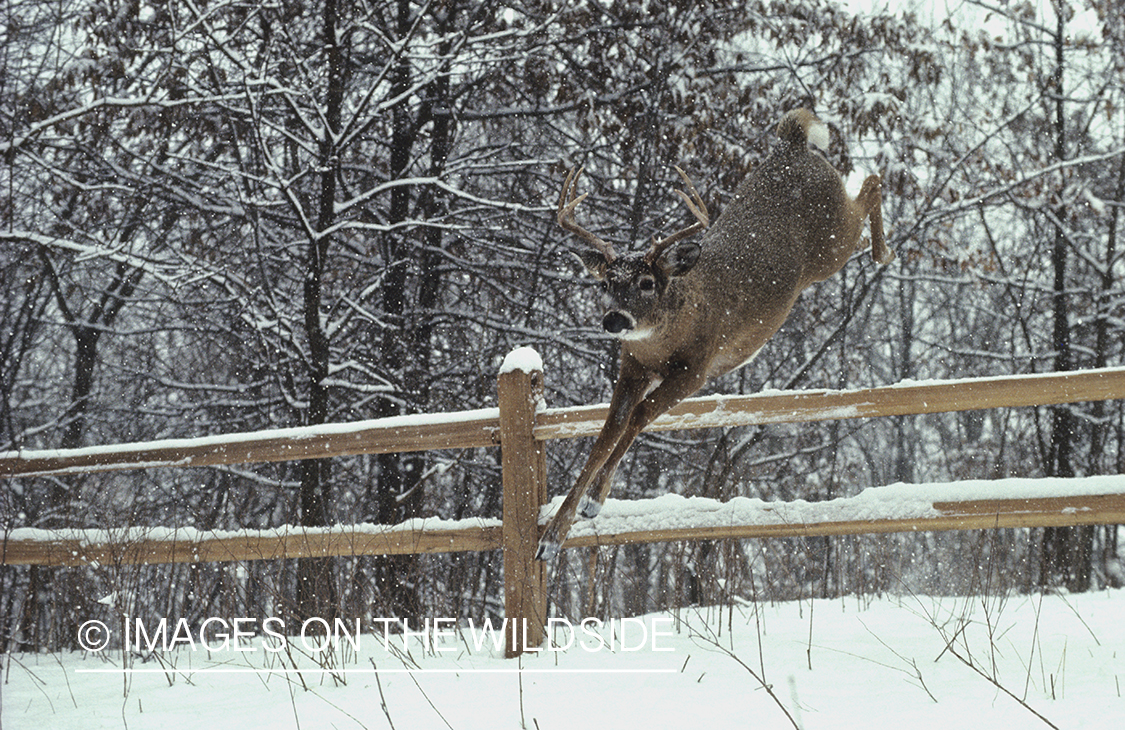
(688, 311)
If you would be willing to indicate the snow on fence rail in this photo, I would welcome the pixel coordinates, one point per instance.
(521, 428)
(481, 428)
(896, 508)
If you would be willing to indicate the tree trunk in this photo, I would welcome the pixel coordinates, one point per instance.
(316, 589)
(1066, 552)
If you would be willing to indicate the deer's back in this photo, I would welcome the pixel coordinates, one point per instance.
(774, 238)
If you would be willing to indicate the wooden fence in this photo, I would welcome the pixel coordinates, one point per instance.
(521, 429)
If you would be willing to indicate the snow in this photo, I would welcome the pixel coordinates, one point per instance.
(524, 359)
(296, 433)
(927, 663)
(124, 535)
(675, 512)
(893, 502)
(910, 660)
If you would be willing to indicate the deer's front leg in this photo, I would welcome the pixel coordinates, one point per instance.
(678, 385)
(632, 383)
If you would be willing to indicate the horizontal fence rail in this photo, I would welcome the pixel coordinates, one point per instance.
(481, 428)
(1080, 509)
(67, 547)
(903, 399)
(461, 430)
(1094, 500)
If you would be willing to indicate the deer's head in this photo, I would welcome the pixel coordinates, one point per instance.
(635, 284)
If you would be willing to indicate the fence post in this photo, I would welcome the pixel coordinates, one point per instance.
(524, 463)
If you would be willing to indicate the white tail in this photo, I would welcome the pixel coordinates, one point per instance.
(689, 311)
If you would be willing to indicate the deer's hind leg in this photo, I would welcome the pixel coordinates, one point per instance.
(870, 201)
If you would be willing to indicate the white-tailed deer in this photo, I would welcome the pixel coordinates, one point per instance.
(687, 312)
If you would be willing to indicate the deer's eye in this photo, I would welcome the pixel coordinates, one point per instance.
(646, 283)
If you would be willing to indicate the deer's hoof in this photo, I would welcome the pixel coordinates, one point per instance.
(547, 551)
(589, 508)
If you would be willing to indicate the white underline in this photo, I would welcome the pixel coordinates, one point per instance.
(360, 670)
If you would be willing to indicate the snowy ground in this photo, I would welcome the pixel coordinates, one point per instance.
(916, 662)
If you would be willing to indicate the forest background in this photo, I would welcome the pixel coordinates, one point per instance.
(230, 216)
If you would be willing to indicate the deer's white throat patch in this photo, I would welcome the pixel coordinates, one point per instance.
(638, 333)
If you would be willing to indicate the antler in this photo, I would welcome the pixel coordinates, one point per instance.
(568, 201)
(697, 207)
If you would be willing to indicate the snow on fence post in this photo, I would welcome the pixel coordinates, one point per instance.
(523, 459)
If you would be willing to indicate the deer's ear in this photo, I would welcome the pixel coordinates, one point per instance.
(594, 261)
(679, 259)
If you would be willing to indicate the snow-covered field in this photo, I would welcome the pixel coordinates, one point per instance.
(910, 661)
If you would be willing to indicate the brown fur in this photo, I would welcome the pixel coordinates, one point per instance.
(690, 312)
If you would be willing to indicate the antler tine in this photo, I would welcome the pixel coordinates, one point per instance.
(568, 202)
(698, 208)
(695, 204)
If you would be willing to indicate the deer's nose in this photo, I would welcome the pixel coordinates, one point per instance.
(617, 322)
